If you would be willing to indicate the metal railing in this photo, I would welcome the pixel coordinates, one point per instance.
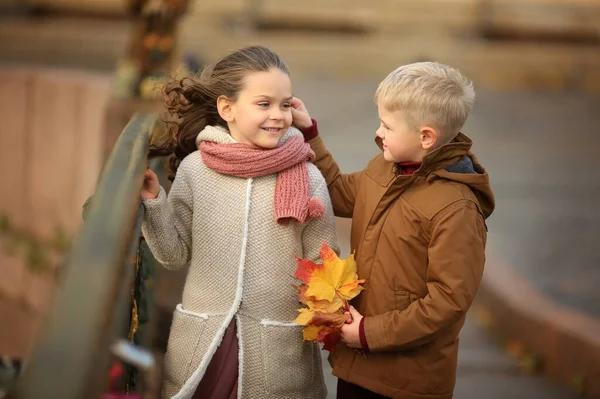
(71, 360)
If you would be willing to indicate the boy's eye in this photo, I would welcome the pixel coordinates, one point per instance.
(286, 105)
(263, 105)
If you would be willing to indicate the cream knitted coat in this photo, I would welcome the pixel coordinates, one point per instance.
(241, 265)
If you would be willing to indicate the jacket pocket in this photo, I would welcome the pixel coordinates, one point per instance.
(402, 299)
(186, 334)
(292, 366)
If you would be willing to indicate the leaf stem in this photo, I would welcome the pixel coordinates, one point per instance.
(343, 300)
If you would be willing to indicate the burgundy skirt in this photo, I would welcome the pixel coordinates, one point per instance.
(346, 390)
(221, 378)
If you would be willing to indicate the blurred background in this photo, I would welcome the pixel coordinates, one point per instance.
(73, 73)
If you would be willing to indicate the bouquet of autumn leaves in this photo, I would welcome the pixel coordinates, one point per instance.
(326, 289)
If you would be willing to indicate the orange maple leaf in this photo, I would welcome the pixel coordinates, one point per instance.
(327, 288)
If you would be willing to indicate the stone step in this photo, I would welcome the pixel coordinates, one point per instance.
(572, 18)
(491, 64)
(106, 7)
(100, 43)
(381, 16)
(557, 17)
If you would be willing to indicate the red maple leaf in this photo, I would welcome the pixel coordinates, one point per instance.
(330, 337)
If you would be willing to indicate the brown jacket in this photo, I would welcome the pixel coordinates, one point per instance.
(420, 244)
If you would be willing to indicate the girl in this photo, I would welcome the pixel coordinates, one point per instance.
(244, 202)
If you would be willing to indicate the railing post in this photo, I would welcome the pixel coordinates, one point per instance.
(71, 360)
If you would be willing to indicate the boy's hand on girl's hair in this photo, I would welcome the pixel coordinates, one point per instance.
(151, 187)
(351, 330)
(300, 116)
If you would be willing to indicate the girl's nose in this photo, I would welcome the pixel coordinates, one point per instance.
(276, 114)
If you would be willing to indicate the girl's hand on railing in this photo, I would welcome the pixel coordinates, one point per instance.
(151, 187)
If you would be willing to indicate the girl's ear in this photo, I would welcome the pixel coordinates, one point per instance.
(225, 108)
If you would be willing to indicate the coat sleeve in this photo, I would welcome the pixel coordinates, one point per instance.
(167, 224)
(342, 187)
(322, 229)
(456, 260)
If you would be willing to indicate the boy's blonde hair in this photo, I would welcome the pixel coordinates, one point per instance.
(428, 93)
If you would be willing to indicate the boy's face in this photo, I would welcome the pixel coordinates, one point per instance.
(400, 142)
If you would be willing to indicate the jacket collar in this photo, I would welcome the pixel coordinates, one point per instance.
(384, 172)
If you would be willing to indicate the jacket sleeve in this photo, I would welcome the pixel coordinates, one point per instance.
(321, 229)
(167, 224)
(456, 259)
(343, 188)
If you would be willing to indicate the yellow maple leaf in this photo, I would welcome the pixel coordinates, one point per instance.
(327, 288)
(305, 316)
(326, 306)
(335, 277)
(310, 333)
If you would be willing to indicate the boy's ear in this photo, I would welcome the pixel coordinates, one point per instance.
(224, 106)
(429, 137)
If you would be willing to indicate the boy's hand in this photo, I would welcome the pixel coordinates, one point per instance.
(300, 117)
(350, 331)
(151, 188)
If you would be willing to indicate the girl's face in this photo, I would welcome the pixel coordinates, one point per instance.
(262, 113)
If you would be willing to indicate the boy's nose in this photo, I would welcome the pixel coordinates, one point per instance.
(379, 133)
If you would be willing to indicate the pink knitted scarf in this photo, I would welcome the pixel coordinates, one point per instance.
(292, 191)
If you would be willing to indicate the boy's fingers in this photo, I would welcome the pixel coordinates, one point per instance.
(348, 317)
(296, 103)
(354, 312)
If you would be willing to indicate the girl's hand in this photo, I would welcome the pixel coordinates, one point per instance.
(301, 118)
(151, 188)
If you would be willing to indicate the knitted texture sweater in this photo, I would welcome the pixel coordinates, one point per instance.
(241, 265)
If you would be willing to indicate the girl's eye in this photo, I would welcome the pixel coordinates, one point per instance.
(263, 105)
(286, 105)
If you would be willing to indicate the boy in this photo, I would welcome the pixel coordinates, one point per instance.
(418, 228)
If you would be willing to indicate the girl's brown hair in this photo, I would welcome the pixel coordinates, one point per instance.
(191, 104)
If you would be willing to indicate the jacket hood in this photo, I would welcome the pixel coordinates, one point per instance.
(454, 161)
